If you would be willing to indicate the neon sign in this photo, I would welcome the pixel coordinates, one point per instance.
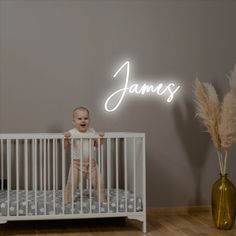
(159, 90)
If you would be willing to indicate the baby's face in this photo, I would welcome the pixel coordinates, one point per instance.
(81, 120)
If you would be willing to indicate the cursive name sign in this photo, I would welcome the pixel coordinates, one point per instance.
(116, 98)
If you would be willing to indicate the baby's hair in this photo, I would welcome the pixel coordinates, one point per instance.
(80, 108)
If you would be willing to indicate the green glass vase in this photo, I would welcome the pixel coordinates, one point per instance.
(223, 201)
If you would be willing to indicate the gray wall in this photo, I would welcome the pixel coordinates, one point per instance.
(58, 54)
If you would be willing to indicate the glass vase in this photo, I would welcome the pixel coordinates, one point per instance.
(223, 201)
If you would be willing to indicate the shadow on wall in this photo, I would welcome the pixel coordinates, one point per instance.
(55, 128)
(195, 143)
(232, 163)
(161, 186)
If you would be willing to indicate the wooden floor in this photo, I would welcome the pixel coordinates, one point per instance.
(167, 221)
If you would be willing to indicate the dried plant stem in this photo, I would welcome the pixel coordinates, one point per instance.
(220, 161)
(225, 161)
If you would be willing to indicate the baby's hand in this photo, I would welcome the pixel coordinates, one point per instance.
(66, 135)
(67, 141)
(101, 134)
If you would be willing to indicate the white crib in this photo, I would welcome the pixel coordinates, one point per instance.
(34, 170)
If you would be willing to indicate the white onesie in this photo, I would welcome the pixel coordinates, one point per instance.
(85, 144)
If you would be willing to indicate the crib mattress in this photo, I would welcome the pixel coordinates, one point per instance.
(54, 204)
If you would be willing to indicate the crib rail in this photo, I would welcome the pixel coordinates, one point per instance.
(34, 170)
(60, 136)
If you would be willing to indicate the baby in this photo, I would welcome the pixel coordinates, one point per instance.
(81, 122)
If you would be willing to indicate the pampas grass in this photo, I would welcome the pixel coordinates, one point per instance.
(219, 120)
(208, 109)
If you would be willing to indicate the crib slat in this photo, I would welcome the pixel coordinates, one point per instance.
(8, 175)
(81, 175)
(134, 166)
(108, 172)
(54, 176)
(126, 188)
(2, 164)
(117, 177)
(56, 160)
(101, 169)
(72, 176)
(26, 174)
(90, 176)
(44, 175)
(63, 174)
(17, 177)
(48, 157)
(99, 175)
(32, 167)
(41, 164)
(144, 185)
(102, 160)
(35, 176)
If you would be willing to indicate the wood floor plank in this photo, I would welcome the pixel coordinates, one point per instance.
(161, 222)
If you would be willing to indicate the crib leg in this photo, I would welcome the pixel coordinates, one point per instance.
(3, 221)
(144, 227)
(142, 219)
